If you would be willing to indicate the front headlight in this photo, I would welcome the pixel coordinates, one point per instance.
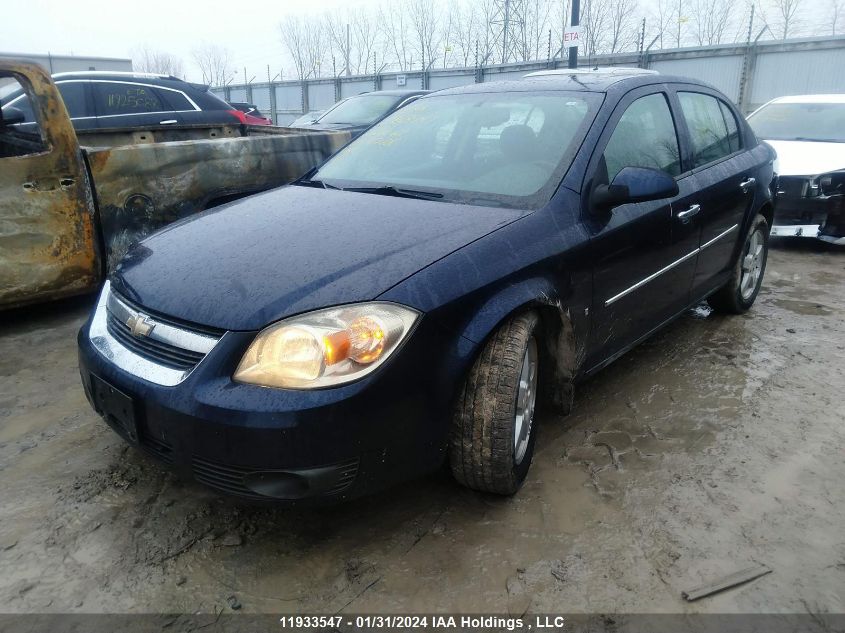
(327, 347)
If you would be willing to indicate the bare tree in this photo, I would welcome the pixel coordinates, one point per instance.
(214, 63)
(426, 29)
(397, 34)
(538, 17)
(621, 25)
(338, 33)
(710, 19)
(466, 33)
(365, 36)
(594, 17)
(303, 37)
(148, 60)
(837, 12)
(487, 51)
(662, 17)
(781, 16)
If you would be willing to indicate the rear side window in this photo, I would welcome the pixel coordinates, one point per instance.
(644, 137)
(733, 130)
(73, 94)
(123, 98)
(713, 135)
(176, 100)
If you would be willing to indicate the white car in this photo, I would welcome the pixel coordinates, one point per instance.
(808, 133)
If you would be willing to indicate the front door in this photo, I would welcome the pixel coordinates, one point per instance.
(47, 239)
(643, 257)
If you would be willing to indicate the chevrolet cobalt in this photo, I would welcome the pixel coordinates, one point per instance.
(420, 295)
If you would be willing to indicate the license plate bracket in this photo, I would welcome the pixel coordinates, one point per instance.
(116, 407)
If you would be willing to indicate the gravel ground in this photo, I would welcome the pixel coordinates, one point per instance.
(716, 445)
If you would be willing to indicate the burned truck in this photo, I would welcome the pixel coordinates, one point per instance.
(72, 203)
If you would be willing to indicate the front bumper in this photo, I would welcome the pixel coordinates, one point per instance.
(795, 230)
(288, 445)
(804, 209)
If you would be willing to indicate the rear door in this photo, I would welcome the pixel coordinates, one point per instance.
(129, 104)
(724, 172)
(47, 237)
(643, 258)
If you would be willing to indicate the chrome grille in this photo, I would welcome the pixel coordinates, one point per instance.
(156, 348)
(151, 349)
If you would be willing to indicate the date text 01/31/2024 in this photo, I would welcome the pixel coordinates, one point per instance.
(420, 622)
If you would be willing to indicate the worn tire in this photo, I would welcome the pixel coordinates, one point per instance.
(482, 448)
(729, 298)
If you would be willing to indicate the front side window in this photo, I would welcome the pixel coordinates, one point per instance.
(495, 148)
(709, 133)
(113, 98)
(644, 137)
(20, 131)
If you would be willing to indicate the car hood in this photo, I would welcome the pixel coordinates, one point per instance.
(328, 127)
(291, 250)
(808, 158)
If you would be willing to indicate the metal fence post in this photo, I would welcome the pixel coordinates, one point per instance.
(746, 79)
(273, 105)
(303, 86)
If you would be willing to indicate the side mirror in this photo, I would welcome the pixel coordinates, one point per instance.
(12, 116)
(634, 184)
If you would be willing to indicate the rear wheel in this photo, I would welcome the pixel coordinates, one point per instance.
(742, 288)
(492, 434)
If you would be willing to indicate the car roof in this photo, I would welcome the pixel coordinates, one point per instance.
(829, 98)
(153, 78)
(580, 81)
(394, 93)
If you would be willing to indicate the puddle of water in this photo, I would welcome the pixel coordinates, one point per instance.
(804, 308)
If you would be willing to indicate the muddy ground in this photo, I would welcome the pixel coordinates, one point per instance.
(715, 445)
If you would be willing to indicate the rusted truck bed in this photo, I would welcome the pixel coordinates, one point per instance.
(143, 187)
(70, 206)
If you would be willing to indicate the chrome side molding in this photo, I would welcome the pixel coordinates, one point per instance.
(653, 276)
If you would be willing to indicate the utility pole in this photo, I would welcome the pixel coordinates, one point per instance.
(245, 75)
(576, 20)
(348, 51)
(506, 31)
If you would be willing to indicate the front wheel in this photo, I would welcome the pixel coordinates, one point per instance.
(739, 293)
(492, 434)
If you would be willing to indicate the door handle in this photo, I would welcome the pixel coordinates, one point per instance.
(167, 122)
(685, 215)
(745, 185)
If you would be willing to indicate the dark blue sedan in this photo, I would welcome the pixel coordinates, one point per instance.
(468, 259)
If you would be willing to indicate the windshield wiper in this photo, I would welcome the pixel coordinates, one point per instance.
(307, 182)
(390, 190)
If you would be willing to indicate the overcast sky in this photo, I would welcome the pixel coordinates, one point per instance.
(249, 29)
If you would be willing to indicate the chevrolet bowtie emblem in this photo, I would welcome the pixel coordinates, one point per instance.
(140, 325)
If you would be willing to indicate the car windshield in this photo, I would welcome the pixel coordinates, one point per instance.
(800, 122)
(498, 148)
(361, 110)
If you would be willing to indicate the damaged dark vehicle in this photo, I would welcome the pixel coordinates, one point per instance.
(808, 134)
(416, 298)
